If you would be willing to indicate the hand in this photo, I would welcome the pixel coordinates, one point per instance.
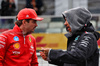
(44, 53)
(43, 56)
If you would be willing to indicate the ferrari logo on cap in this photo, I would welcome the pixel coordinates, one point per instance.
(27, 15)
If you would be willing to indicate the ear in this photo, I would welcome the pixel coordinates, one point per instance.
(24, 22)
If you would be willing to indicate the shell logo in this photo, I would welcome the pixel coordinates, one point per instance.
(16, 45)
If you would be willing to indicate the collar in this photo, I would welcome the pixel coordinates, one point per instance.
(68, 35)
(17, 30)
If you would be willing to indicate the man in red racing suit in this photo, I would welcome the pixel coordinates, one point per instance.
(17, 46)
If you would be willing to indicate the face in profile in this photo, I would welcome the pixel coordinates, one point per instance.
(30, 27)
(68, 28)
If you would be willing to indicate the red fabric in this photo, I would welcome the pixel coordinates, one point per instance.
(2, 30)
(98, 43)
(28, 13)
(16, 49)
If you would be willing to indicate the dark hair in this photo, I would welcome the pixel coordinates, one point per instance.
(19, 22)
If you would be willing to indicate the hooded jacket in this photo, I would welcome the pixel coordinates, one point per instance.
(82, 48)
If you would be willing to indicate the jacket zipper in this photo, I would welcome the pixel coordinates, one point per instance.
(24, 39)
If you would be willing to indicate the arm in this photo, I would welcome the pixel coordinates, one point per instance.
(44, 54)
(2, 48)
(34, 56)
(84, 49)
(55, 62)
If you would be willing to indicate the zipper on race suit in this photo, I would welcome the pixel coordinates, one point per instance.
(24, 39)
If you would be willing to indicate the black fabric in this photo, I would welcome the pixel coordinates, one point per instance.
(78, 55)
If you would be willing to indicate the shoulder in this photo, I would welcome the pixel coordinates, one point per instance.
(88, 35)
(4, 35)
(8, 32)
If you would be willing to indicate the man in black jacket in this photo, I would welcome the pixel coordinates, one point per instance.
(82, 47)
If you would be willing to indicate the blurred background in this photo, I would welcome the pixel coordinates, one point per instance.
(50, 32)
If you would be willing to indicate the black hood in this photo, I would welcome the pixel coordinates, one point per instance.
(77, 18)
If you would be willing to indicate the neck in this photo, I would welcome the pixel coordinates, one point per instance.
(23, 30)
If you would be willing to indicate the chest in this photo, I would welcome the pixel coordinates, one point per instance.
(72, 43)
(20, 45)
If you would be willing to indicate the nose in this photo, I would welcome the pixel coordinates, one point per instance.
(36, 24)
(66, 23)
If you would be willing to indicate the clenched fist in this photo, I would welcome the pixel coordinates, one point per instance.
(44, 53)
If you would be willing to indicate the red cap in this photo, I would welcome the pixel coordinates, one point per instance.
(28, 13)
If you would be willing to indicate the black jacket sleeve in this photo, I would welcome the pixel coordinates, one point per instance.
(55, 61)
(84, 48)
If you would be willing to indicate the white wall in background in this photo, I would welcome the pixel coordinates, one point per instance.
(62, 5)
